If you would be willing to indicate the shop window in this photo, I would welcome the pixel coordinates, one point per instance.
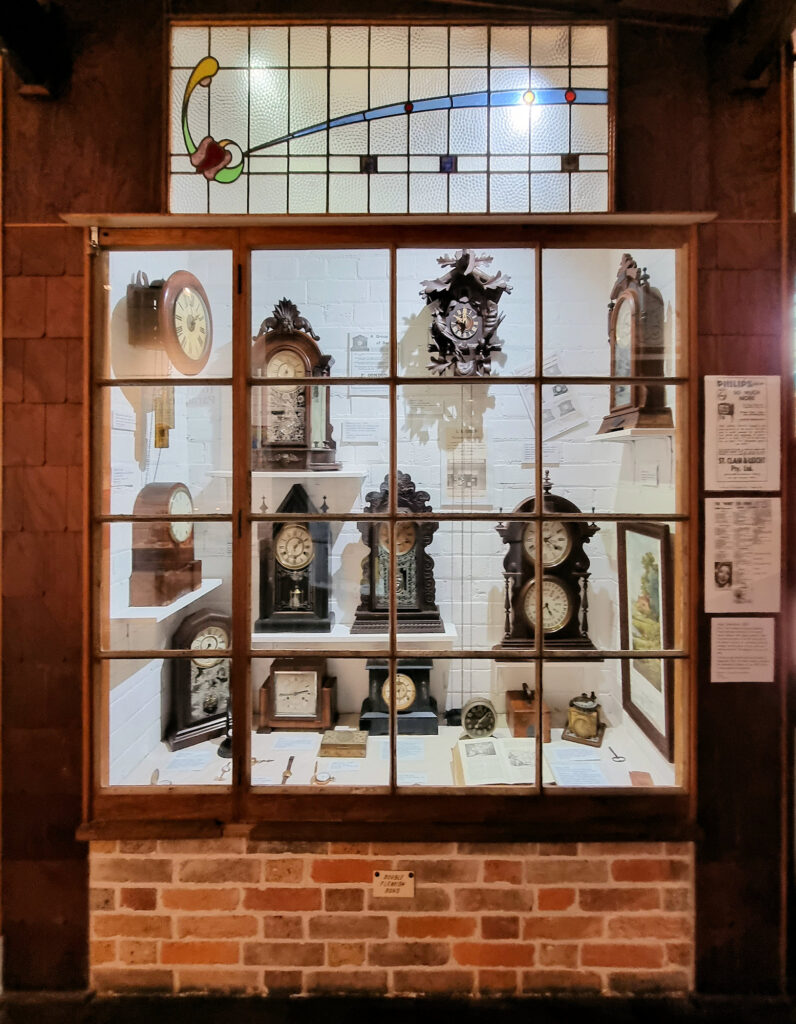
(316, 524)
(389, 119)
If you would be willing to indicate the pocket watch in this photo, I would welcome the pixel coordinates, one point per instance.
(294, 546)
(556, 542)
(479, 717)
(405, 691)
(557, 604)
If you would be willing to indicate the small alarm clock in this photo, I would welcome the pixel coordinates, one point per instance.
(583, 721)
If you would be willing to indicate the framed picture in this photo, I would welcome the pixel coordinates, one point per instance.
(645, 617)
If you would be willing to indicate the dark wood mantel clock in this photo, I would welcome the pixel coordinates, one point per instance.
(290, 420)
(164, 567)
(295, 582)
(565, 576)
(415, 588)
(415, 707)
(199, 684)
(636, 337)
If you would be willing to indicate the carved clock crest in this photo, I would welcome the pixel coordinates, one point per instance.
(464, 304)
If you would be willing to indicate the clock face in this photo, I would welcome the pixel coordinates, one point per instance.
(556, 542)
(463, 321)
(286, 363)
(405, 537)
(211, 638)
(295, 694)
(405, 691)
(294, 547)
(479, 717)
(557, 605)
(191, 323)
(180, 504)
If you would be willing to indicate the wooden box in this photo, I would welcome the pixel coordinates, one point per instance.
(521, 714)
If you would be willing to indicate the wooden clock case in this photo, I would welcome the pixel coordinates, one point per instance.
(325, 710)
(419, 719)
(185, 728)
(150, 309)
(164, 568)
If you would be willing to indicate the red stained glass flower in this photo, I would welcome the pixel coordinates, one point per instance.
(210, 157)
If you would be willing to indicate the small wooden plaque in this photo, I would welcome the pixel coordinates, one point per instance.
(394, 884)
(344, 743)
(521, 714)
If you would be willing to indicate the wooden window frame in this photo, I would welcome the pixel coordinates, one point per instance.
(497, 813)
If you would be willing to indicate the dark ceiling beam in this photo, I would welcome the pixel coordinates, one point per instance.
(751, 38)
(33, 39)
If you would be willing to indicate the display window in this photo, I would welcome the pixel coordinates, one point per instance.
(394, 527)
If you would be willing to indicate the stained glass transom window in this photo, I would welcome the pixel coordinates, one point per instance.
(389, 119)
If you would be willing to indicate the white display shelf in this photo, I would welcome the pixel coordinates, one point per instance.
(157, 613)
(633, 434)
(342, 637)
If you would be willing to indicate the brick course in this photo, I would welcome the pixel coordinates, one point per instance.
(488, 921)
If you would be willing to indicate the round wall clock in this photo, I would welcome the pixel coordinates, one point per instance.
(172, 315)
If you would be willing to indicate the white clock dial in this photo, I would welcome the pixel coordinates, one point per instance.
(405, 691)
(180, 504)
(556, 542)
(287, 364)
(405, 536)
(557, 605)
(294, 547)
(191, 322)
(295, 694)
(211, 638)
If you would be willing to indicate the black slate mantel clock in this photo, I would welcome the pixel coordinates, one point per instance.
(415, 707)
(564, 574)
(415, 588)
(295, 583)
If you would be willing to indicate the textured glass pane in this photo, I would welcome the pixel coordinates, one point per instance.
(388, 193)
(509, 163)
(468, 131)
(268, 99)
(181, 165)
(509, 78)
(428, 132)
(550, 78)
(268, 164)
(351, 138)
(550, 45)
(550, 193)
(393, 163)
(508, 193)
(307, 144)
(343, 163)
(268, 193)
(589, 129)
(473, 163)
(389, 135)
(349, 46)
(467, 193)
(424, 163)
(468, 80)
(589, 78)
(229, 107)
(268, 47)
(589, 44)
(188, 194)
(425, 83)
(230, 46)
(348, 91)
(589, 193)
(307, 193)
(550, 129)
(546, 163)
(228, 198)
(428, 193)
(348, 193)
(508, 130)
(594, 163)
(509, 46)
(389, 46)
(428, 46)
(188, 46)
(197, 111)
(388, 85)
(308, 46)
(303, 164)
(307, 97)
(468, 46)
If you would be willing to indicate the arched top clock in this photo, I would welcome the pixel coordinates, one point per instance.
(172, 315)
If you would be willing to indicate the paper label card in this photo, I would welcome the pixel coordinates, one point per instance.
(742, 650)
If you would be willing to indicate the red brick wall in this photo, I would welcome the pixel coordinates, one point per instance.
(491, 920)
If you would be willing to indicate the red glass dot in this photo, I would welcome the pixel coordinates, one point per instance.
(409, 107)
(570, 95)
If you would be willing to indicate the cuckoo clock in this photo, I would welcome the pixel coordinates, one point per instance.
(464, 306)
(414, 568)
(415, 707)
(290, 417)
(294, 570)
(564, 574)
(636, 337)
(164, 567)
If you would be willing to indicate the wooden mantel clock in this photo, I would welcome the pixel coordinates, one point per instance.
(164, 567)
(565, 575)
(636, 337)
(415, 589)
(290, 420)
(295, 581)
(298, 694)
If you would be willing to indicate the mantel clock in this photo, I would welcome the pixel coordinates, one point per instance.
(290, 419)
(164, 567)
(414, 585)
(636, 337)
(298, 695)
(295, 581)
(416, 709)
(564, 576)
(199, 684)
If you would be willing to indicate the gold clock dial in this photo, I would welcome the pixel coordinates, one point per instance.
(557, 605)
(211, 638)
(405, 691)
(180, 504)
(191, 323)
(294, 547)
(287, 364)
(556, 542)
(405, 537)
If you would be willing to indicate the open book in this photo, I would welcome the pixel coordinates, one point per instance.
(493, 761)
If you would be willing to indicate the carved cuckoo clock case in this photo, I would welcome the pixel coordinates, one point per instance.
(291, 429)
(564, 573)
